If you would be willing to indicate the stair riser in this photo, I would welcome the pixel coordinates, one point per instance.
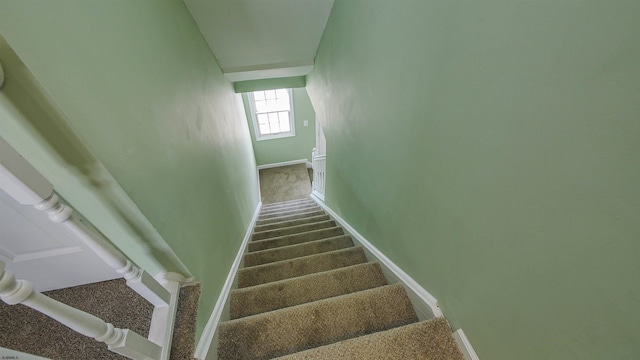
(306, 265)
(288, 212)
(292, 230)
(305, 289)
(295, 239)
(264, 211)
(322, 322)
(299, 250)
(291, 223)
(287, 203)
(290, 217)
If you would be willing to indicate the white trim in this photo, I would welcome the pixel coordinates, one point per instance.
(208, 334)
(465, 346)
(33, 255)
(284, 163)
(317, 195)
(256, 130)
(419, 296)
(309, 165)
(164, 317)
(277, 136)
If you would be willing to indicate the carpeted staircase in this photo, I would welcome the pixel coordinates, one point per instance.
(306, 292)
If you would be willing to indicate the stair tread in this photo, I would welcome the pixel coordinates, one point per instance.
(290, 217)
(296, 229)
(294, 238)
(276, 214)
(430, 339)
(272, 226)
(303, 289)
(321, 322)
(284, 203)
(297, 250)
(264, 211)
(305, 265)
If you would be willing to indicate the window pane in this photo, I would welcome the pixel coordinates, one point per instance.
(283, 104)
(282, 94)
(275, 127)
(261, 106)
(270, 94)
(258, 95)
(284, 121)
(264, 129)
(274, 124)
(263, 119)
(272, 105)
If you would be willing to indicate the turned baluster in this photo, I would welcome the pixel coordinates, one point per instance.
(122, 341)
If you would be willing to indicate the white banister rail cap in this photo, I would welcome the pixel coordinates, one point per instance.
(21, 180)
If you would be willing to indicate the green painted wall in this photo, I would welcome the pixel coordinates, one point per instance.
(39, 131)
(491, 150)
(142, 91)
(289, 148)
(270, 84)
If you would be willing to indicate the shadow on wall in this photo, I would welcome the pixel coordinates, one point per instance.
(29, 99)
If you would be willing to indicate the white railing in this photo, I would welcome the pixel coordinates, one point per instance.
(319, 163)
(124, 342)
(28, 187)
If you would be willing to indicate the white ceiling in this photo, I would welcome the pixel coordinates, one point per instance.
(260, 39)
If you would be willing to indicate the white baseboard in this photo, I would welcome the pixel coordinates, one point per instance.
(425, 304)
(465, 346)
(317, 195)
(309, 165)
(208, 334)
(284, 163)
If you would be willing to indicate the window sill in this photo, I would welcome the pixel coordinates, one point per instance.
(273, 137)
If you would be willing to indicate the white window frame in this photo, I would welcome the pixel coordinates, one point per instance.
(256, 127)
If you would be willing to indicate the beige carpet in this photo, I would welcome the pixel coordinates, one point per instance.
(26, 330)
(284, 183)
(306, 292)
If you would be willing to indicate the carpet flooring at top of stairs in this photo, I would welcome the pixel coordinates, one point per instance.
(284, 183)
(306, 292)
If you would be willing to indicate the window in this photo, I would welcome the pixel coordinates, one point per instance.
(272, 113)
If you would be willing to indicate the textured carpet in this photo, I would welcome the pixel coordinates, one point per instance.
(430, 340)
(317, 323)
(306, 292)
(284, 183)
(305, 289)
(184, 331)
(26, 330)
